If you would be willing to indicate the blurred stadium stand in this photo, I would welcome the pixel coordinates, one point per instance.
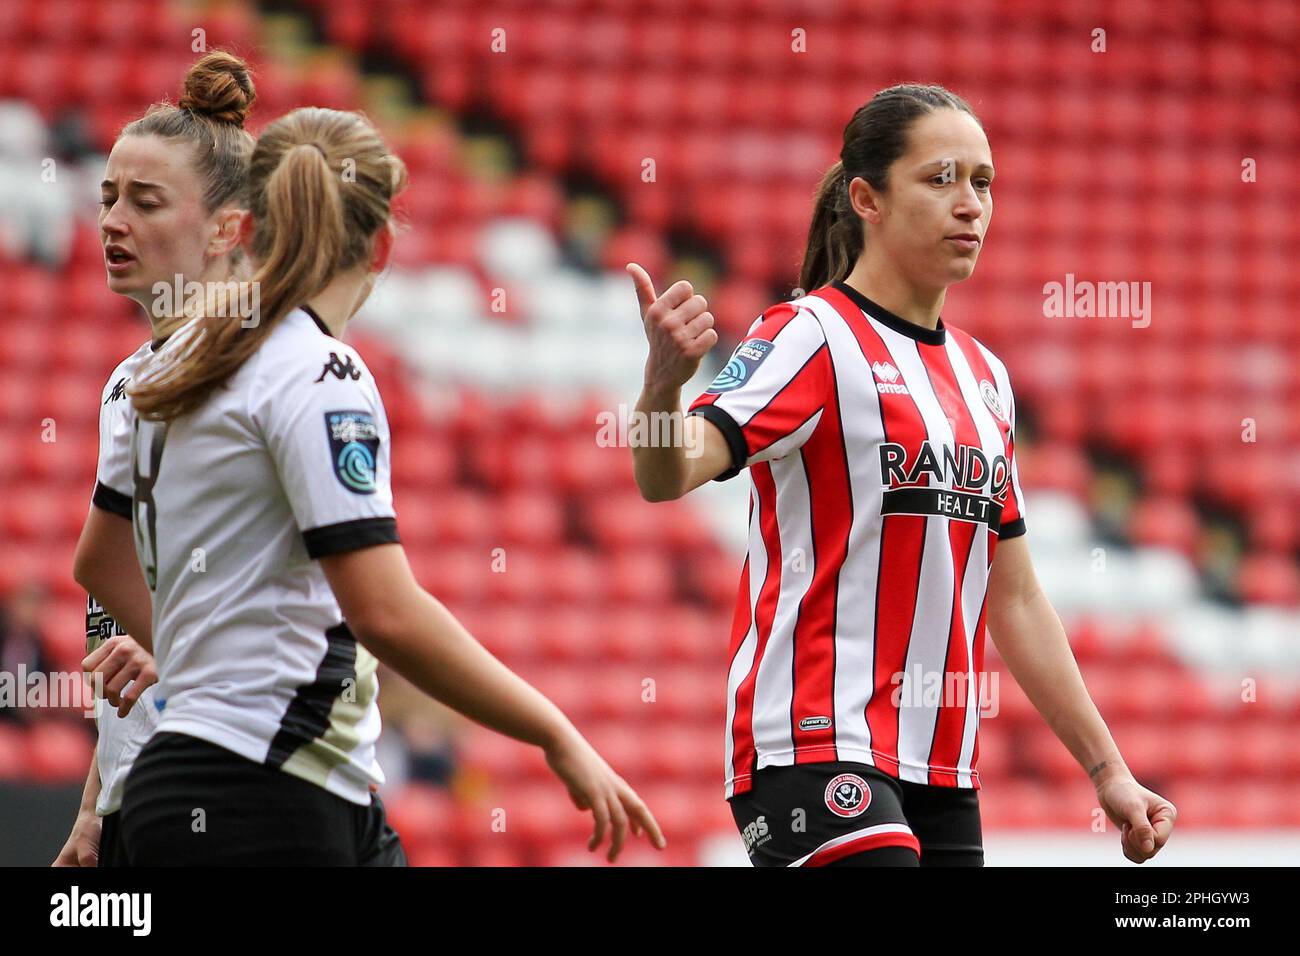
(1168, 543)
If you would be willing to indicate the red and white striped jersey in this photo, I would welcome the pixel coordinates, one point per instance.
(882, 461)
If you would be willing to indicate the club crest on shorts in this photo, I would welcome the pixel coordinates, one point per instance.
(989, 393)
(747, 357)
(354, 449)
(847, 795)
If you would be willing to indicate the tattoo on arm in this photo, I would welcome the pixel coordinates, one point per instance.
(1097, 769)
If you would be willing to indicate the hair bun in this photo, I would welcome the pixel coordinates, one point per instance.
(220, 87)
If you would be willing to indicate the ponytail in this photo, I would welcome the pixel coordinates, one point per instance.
(304, 213)
(312, 219)
(835, 236)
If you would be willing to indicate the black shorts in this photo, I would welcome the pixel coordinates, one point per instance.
(189, 802)
(110, 840)
(851, 814)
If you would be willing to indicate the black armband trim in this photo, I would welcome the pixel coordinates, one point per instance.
(731, 432)
(1012, 529)
(349, 536)
(114, 502)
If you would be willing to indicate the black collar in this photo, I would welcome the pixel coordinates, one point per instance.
(317, 319)
(936, 336)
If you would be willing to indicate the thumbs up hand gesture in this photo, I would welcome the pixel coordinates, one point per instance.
(678, 326)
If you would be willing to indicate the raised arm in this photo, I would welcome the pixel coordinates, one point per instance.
(680, 331)
(413, 633)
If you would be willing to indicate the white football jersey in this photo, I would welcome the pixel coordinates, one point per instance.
(233, 503)
(120, 738)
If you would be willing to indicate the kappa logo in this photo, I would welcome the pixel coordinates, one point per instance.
(118, 392)
(338, 368)
(847, 795)
(888, 379)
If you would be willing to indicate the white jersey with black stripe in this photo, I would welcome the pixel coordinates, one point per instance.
(120, 738)
(233, 505)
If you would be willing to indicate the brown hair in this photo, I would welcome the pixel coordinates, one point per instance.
(873, 139)
(320, 187)
(210, 114)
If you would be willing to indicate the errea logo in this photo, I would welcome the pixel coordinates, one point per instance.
(887, 379)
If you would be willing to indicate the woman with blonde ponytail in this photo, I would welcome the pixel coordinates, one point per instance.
(881, 447)
(171, 204)
(262, 453)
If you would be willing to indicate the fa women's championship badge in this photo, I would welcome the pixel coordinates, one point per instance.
(746, 359)
(354, 449)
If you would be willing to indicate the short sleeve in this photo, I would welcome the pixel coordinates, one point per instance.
(1013, 512)
(768, 398)
(326, 431)
(113, 480)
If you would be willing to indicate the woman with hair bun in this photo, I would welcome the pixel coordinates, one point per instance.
(171, 201)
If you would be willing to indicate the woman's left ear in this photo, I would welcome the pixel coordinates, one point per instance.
(383, 250)
(231, 231)
(246, 228)
(863, 201)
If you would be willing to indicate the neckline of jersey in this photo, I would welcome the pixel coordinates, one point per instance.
(156, 344)
(936, 336)
(317, 319)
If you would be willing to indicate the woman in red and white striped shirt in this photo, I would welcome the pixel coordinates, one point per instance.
(880, 443)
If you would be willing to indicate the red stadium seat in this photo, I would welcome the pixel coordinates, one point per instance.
(58, 751)
(1200, 751)
(431, 854)
(619, 693)
(423, 814)
(536, 816)
(500, 758)
(1269, 578)
(498, 850)
(1017, 804)
(640, 578)
(13, 751)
